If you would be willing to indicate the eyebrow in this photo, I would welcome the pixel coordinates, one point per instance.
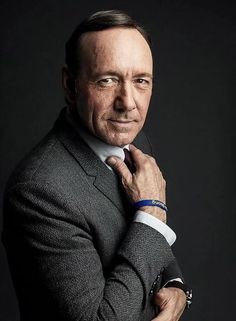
(115, 73)
(145, 74)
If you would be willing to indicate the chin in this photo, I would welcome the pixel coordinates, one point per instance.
(120, 139)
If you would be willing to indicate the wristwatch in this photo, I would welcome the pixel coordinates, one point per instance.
(188, 292)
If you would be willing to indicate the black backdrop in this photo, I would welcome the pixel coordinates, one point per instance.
(191, 123)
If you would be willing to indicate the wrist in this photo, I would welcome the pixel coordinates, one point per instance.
(188, 292)
(150, 202)
(155, 211)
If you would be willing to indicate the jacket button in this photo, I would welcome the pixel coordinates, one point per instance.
(151, 292)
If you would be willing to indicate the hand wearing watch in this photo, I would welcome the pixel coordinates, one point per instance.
(188, 292)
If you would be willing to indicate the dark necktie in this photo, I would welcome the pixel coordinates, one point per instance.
(129, 161)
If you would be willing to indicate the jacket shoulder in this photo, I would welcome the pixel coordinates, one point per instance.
(142, 142)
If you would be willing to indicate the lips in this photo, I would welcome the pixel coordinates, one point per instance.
(121, 124)
(122, 121)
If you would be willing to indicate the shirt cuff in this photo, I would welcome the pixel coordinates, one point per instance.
(148, 219)
(176, 279)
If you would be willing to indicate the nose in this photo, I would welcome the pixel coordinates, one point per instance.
(125, 98)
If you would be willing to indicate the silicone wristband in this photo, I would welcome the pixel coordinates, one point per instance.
(150, 203)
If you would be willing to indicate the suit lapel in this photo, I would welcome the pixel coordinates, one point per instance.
(105, 180)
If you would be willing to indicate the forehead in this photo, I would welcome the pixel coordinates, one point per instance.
(116, 47)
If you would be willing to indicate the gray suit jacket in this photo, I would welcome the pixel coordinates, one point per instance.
(73, 250)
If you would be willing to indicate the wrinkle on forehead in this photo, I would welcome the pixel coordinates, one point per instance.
(121, 49)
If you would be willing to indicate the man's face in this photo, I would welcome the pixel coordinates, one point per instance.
(114, 85)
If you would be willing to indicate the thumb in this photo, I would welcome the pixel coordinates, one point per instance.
(119, 167)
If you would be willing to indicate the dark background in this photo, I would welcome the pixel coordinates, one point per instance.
(191, 123)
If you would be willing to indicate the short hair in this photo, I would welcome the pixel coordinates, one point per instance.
(98, 21)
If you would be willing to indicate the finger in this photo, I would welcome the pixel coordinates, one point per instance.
(139, 158)
(133, 148)
(135, 152)
(119, 167)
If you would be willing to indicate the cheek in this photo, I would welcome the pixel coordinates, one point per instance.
(95, 109)
(101, 104)
(144, 102)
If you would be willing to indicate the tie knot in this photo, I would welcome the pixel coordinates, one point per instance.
(128, 160)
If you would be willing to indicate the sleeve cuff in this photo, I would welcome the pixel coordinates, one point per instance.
(165, 230)
(176, 279)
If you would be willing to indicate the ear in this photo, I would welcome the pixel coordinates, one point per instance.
(68, 83)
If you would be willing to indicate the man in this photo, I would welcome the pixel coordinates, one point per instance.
(80, 245)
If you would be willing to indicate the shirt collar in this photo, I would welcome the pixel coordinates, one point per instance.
(100, 148)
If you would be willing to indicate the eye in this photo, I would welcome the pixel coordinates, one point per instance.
(142, 82)
(107, 82)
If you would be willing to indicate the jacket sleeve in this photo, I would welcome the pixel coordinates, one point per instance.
(172, 271)
(56, 267)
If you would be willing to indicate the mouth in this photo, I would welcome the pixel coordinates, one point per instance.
(121, 123)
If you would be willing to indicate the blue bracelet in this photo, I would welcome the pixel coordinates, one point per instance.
(150, 203)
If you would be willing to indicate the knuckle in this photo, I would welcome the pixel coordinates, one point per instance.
(145, 162)
(124, 181)
(127, 185)
(119, 163)
(135, 149)
(119, 166)
(153, 159)
(122, 167)
(137, 152)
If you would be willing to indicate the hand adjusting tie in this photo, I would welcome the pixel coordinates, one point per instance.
(150, 203)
